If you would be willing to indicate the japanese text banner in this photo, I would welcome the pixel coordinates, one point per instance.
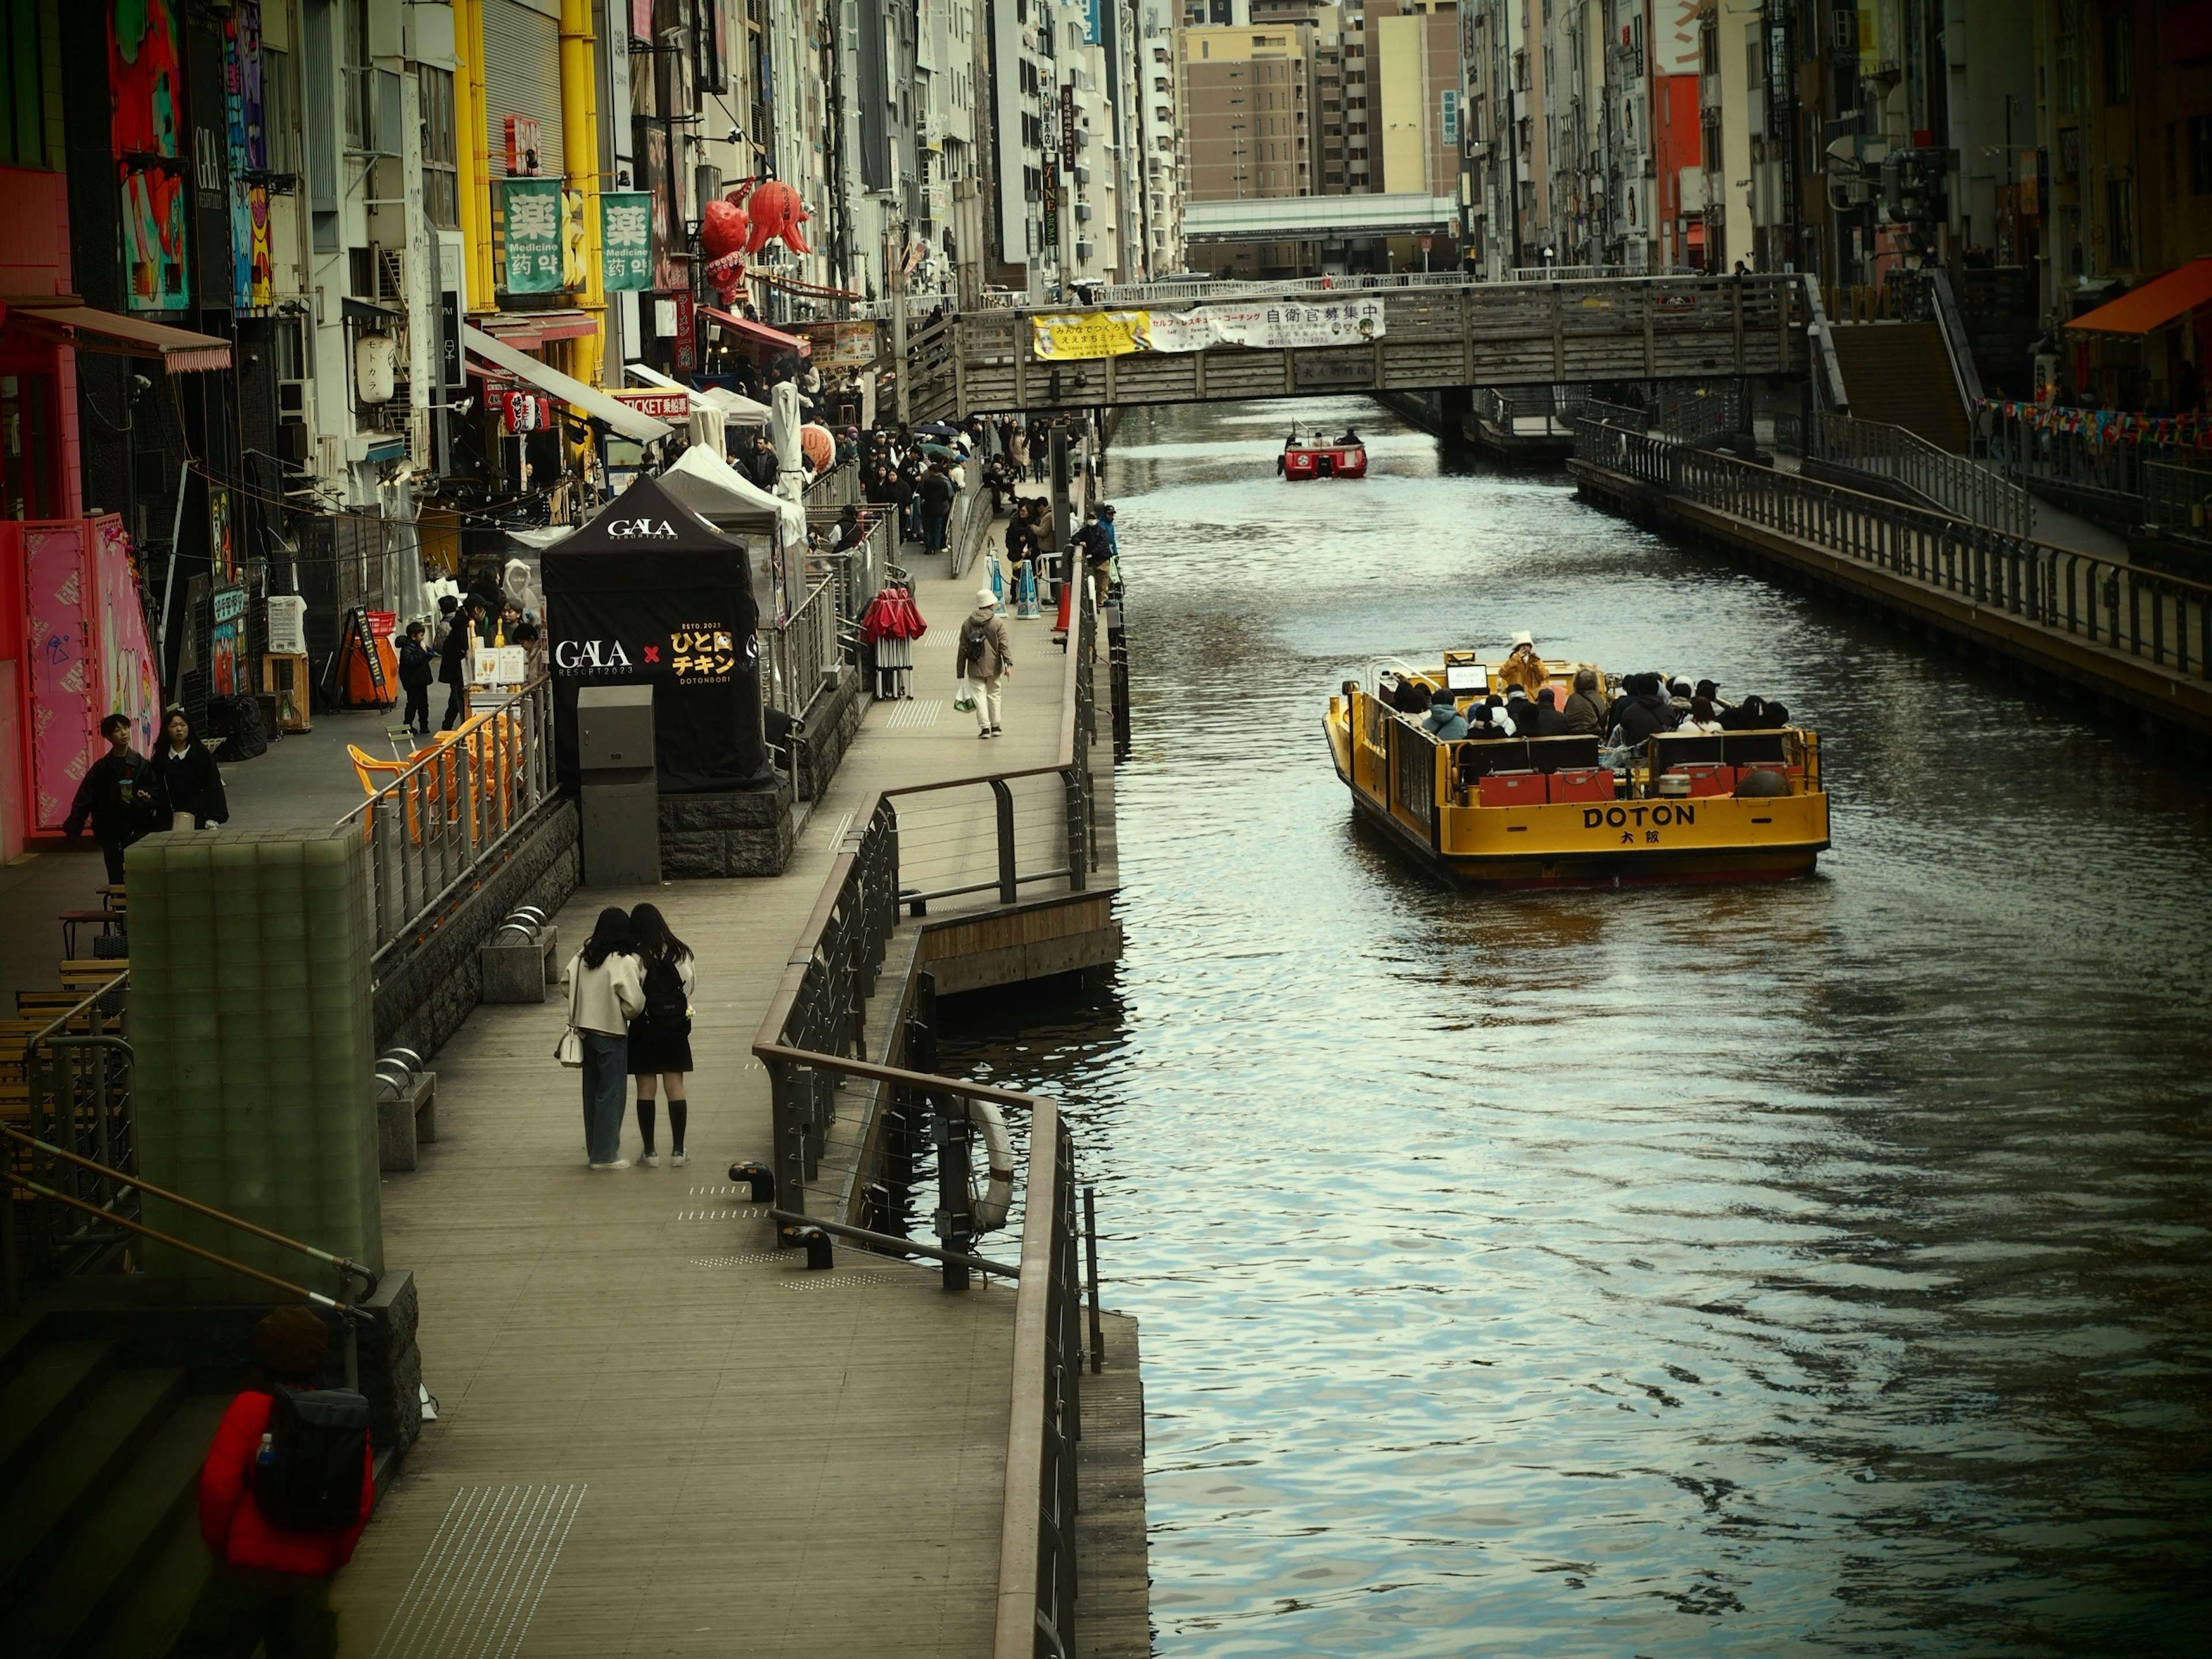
(1262, 325)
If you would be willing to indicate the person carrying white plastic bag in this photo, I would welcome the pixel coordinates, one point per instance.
(985, 657)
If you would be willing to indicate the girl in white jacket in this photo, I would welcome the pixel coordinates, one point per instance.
(605, 993)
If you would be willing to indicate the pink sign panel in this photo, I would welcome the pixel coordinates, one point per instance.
(63, 673)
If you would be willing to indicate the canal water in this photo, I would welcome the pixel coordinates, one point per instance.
(1806, 1269)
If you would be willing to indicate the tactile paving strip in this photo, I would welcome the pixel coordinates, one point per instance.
(477, 1589)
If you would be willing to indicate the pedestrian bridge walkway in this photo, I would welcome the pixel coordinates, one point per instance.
(1426, 335)
(658, 1433)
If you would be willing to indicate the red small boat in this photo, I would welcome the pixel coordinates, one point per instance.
(1317, 458)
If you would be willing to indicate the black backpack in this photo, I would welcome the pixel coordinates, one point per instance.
(973, 634)
(664, 1002)
(311, 1480)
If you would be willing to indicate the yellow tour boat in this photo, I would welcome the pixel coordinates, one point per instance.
(1743, 805)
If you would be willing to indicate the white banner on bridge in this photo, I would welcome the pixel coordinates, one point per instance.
(1267, 325)
(1259, 324)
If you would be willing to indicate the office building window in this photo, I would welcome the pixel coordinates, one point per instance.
(22, 109)
(441, 193)
(354, 68)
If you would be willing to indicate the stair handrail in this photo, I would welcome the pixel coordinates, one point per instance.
(1832, 396)
(1953, 327)
(346, 1266)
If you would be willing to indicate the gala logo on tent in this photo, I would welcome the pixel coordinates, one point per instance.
(630, 530)
(590, 656)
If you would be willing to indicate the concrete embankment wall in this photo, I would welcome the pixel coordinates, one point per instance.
(2045, 657)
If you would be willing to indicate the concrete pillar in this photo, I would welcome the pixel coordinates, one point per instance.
(250, 1023)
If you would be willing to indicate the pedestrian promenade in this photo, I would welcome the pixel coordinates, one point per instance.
(656, 1434)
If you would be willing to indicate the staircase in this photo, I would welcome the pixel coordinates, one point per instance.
(1899, 374)
(99, 1549)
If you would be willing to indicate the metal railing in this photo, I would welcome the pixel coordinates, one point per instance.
(1037, 1580)
(2032, 446)
(74, 1160)
(1954, 483)
(78, 1104)
(1555, 405)
(813, 1040)
(2148, 615)
(2178, 499)
(804, 650)
(435, 825)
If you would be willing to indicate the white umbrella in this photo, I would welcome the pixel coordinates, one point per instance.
(783, 432)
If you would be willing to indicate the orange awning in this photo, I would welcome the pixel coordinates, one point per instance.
(759, 333)
(67, 319)
(2154, 305)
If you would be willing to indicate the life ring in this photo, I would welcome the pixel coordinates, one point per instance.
(995, 1198)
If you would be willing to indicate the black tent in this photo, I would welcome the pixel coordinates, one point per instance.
(649, 593)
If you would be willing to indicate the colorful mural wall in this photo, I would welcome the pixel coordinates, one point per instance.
(251, 277)
(128, 675)
(145, 86)
(86, 654)
(60, 673)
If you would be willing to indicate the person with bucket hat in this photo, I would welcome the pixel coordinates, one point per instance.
(985, 657)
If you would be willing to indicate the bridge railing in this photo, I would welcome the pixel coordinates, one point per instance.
(2151, 616)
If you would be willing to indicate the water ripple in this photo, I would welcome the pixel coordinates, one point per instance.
(1816, 1269)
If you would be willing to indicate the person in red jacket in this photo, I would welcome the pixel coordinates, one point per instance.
(270, 1586)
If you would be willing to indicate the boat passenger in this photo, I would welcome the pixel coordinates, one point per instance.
(1523, 666)
(1585, 716)
(1444, 720)
(1701, 720)
(1711, 693)
(1776, 716)
(1408, 696)
(1678, 695)
(1349, 440)
(1520, 710)
(1749, 715)
(1642, 714)
(1501, 716)
(1551, 719)
(1485, 720)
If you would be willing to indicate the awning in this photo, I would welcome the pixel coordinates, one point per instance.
(2154, 305)
(67, 321)
(759, 333)
(528, 329)
(569, 389)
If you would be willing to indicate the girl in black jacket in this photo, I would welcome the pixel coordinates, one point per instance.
(192, 787)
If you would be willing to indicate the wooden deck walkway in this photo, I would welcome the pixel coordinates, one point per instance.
(656, 1434)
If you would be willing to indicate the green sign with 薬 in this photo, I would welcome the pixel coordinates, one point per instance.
(626, 240)
(533, 235)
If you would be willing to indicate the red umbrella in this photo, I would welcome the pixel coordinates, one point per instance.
(891, 615)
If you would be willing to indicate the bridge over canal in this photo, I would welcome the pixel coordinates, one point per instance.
(1430, 333)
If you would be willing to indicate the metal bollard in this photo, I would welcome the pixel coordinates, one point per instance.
(759, 1177)
(819, 1256)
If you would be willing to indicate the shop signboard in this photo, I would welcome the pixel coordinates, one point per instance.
(533, 235)
(626, 240)
(660, 405)
(227, 641)
(838, 345)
